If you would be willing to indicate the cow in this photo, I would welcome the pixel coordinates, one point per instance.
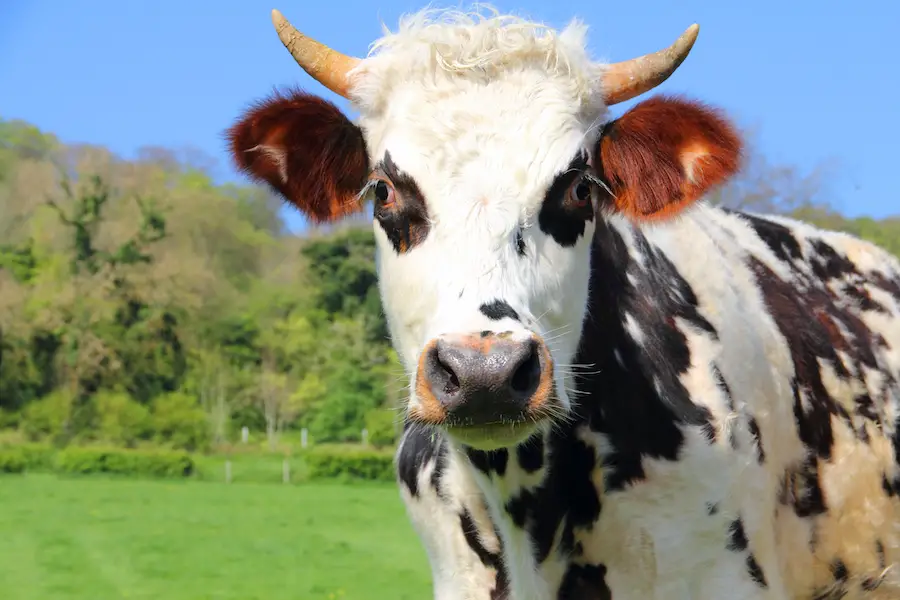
(616, 388)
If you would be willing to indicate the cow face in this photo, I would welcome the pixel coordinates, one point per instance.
(486, 177)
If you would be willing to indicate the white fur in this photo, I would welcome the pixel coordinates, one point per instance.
(483, 113)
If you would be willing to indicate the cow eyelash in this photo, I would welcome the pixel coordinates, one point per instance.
(382, 190)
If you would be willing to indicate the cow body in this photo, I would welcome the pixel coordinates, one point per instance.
(615, 390)
(736, 434)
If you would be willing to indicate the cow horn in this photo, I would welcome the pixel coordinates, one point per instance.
(624, 80)
(323, 64)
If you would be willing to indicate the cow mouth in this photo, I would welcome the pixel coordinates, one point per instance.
(493, 436)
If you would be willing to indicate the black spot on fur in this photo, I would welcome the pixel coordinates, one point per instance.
(737, 538)
(712, 508)
(801, 489)
(470, 533)
(756, 572)
(584, 582)
(778, 237)
(487, 558)
(870, 584)
(488, 461)
(520, 244)
(839, 570)
(531, 455)
(753, 426)
(558, 218)
(498, 309)
(822, 327)
(723, 386)
(645, 405)
(566, 497)
(420, 445)
(405, 221)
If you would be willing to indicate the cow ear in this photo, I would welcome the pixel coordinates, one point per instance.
(663, 155)
(306, 150)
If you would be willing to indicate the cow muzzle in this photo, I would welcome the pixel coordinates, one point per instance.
(488, 390)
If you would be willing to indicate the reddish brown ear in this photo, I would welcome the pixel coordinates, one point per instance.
(664, 154)
(306, 150)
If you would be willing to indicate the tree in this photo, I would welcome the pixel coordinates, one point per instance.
(271, 391)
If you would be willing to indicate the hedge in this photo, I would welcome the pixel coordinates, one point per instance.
(348, 463)
(35, 457)
(148, 463)
(12, 460)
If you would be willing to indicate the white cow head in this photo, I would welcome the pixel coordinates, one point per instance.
(487, 151)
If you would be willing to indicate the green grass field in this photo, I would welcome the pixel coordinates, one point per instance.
(97, 539)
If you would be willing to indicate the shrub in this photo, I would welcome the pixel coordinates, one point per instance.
(37, 457)
(122, 421)
(48, 416)
(11, 460)
(146, 463)
(341, 462)
(380, 423)
(180, 422)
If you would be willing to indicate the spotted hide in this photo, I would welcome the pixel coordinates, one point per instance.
(616, 390)
(736, 435)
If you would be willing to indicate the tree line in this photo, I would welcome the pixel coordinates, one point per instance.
(142, 303)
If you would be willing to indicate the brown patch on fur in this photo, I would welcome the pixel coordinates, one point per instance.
(545, 388)
(306, 150)
(664, 154)
(429, 409)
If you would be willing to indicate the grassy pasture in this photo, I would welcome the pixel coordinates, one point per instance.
(94, 538)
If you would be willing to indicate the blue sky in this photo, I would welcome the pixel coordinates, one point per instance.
(818, 81)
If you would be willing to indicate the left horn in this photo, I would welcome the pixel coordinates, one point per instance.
(625, 80)
(328, 67)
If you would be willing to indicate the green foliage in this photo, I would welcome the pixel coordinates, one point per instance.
(180, 422)
(37, 457)
(349, 463)
(12, 460)
(144, 463)
(382, 426)
(122, 421)
(49, 416)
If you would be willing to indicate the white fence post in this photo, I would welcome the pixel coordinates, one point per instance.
(304, 437)
(365, 437)
(245, 434)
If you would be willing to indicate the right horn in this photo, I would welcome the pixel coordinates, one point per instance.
(328, 67)
(625, 80)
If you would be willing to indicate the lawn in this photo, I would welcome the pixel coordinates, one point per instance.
(97, 539)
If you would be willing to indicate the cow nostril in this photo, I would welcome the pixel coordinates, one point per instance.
(451, 381)
(527, 376)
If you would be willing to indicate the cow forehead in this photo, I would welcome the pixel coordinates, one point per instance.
(485, 151)
(496, 102)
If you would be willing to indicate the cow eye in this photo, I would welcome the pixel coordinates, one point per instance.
(579, 195)
(384, 193)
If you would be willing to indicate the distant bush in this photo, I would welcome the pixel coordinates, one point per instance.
(144, 463)
(180, 422)
(122, 421)
(48, 416)
(380, 423)
(348, 463)
(37, 457)
(12, 460)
